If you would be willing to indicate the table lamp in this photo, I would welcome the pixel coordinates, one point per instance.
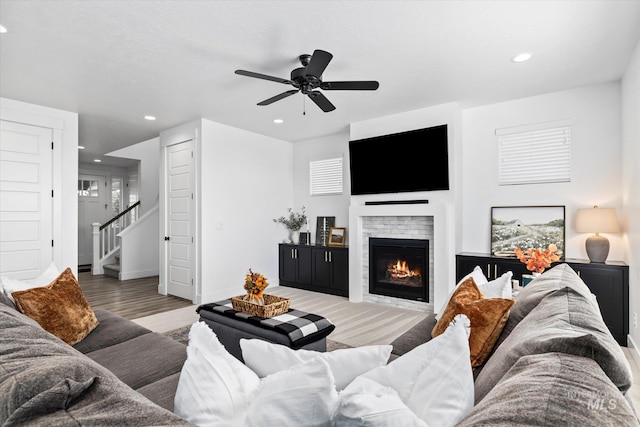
(597, 220)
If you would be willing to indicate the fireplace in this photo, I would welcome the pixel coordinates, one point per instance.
(399, 268)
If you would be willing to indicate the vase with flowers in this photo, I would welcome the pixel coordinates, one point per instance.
(255, 284)
(294, 223)
(537, 260)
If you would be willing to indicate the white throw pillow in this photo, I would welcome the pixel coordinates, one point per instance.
(216, 389)
(304, 395)
(366, 403)
(478, 277)
(435, 379)
(10, 285)
(497, 288)
(214, 386)
(346, 364)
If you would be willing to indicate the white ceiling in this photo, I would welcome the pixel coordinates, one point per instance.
(115, 61)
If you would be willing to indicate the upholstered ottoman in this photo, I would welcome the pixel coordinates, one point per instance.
(296, 329)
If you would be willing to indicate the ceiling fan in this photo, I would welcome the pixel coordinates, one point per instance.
(309, 77)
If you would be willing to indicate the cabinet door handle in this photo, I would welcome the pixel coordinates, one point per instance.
(296, 253)
(325, 256)
(292, 257)
(495, 271)
(578, 273)
(330, 256)
(488, 271)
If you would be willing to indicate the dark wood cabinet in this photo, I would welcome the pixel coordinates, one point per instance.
(315, 268)
(295, 264)
(609, 282)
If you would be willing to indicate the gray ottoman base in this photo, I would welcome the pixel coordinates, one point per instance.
(229, 332)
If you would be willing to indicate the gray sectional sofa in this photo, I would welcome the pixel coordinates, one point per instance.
(555, 363)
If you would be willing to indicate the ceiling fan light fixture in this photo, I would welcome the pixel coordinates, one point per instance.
(521, 57)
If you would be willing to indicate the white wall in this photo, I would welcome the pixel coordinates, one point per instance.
(631, 185)
(245, 181)
(65, 173)
(337, 205)
(596, 151)
(148, 152)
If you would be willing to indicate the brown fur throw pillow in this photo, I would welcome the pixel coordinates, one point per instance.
(486, 315)
(60, 308)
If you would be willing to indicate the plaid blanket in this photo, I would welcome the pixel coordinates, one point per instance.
(297, 325)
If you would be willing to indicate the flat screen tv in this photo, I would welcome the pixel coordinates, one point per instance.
(415, 160)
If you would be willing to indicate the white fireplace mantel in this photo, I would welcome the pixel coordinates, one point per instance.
(443, 244)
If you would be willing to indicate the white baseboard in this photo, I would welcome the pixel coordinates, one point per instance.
(137, 274)
(634, 350)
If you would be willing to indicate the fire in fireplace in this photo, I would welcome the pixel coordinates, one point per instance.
(399, 268)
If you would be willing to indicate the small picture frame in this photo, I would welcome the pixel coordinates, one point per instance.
(337, 236)
(324, 224)
(305, 238)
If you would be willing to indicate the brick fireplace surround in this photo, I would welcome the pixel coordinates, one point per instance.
(405, 221)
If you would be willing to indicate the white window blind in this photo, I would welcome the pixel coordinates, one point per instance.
(534, 154)
(325, 176)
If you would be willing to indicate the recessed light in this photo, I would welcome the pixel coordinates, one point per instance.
(80, 147)
(521, 57)
(149, 117)
(278, 121)
(97, 160)
(3, 29)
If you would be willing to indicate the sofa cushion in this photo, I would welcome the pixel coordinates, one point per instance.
(113, 329)
(553, 389)
(162, 392)
(60, 308)
(142, 360)
(564, 321)
(558, 277)
(487, 316)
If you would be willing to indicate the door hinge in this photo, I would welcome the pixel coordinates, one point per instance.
(191, 196)
(52, 145)
(191, 239)
(191, 282)
(51, 193)
(51, 243)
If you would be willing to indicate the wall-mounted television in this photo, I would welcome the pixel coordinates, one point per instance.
(416, 160)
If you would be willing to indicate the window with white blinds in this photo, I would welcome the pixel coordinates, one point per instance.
(534, 154)
(325, 176)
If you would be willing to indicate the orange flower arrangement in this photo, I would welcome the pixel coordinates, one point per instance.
(537, 259)
(255, 284)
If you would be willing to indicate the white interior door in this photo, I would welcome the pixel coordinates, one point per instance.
(92, 207)
(26, 199)
(180, 220)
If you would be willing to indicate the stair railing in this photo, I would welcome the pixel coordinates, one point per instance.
(105, 236)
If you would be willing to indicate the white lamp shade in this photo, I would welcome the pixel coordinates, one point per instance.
(597, 220)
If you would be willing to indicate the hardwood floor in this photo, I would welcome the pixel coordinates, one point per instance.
(128, 298)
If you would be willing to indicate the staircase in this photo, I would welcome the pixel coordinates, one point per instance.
(121, 246)
(113, 269)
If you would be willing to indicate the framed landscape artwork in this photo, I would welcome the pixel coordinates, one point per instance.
(337, 236)
(526, 227)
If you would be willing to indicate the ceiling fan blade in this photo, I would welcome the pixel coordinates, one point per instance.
(321, 101)
(352, 85)
(319, 61)
(262, 76)
(278, 97)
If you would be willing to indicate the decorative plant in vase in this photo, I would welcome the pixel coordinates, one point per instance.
(538, 259)
(255, 284)
(294, 223)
